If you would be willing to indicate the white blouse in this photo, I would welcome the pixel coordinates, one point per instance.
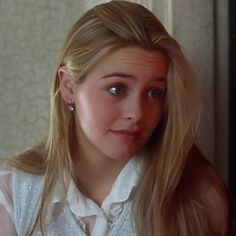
(94, 220)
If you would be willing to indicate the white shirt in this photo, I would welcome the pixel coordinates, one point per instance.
(93, 219)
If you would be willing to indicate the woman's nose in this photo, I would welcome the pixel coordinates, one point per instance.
(133, 110)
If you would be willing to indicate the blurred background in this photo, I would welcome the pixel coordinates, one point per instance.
(32, 33)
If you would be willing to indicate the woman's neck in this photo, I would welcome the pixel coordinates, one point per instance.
(95, 174)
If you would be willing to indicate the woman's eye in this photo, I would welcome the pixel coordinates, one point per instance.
(155, 93)
(117, 89)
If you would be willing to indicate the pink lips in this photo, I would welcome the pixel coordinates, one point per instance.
(126, 134)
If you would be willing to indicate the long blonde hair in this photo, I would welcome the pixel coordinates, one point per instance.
(162, 205)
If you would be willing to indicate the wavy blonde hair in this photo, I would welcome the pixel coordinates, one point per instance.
(162, 204)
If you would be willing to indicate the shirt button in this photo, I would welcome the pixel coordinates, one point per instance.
(116, 209)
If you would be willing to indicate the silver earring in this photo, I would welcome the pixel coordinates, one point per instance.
(71, 106)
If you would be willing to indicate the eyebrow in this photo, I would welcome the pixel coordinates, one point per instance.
(125, 75)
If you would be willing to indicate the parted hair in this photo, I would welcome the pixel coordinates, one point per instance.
(163, 205)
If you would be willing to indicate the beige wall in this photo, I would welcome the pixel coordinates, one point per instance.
(32, 32)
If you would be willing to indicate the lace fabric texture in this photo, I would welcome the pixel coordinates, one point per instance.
(20, 197)
(65, 223)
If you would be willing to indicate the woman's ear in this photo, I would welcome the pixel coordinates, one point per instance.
(66, 85)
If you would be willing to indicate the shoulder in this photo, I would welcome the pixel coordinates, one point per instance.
(13, 180)
(209, 189)
(32, 160)
(5, 187)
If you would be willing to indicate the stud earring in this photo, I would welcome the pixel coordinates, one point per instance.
(71, 106)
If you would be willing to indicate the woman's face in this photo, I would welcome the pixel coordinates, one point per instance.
(120, 102)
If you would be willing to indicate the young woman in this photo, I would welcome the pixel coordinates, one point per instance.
(120, 157)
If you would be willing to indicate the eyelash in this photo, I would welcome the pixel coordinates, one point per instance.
(159, 93)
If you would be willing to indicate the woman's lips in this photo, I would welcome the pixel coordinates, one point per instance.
(126, 134)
